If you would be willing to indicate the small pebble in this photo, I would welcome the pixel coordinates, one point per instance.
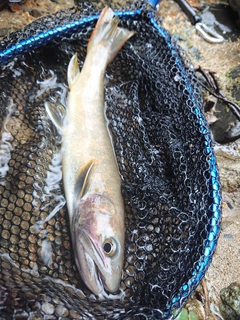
(228, 236)
(15, 7)
(35, 13)
(4, 31)
(229, 205)
(48, 308)
(62, 311)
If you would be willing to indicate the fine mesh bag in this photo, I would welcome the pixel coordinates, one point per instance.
(170, 182)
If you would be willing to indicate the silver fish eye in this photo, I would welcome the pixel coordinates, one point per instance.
(109, 247)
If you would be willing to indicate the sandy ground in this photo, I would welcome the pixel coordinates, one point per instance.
(219, 58)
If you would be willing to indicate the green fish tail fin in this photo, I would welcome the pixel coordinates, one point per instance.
(109, 34)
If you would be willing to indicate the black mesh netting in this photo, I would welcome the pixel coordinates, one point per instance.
(163, 148)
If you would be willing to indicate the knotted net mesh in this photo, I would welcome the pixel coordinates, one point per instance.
(170, 181)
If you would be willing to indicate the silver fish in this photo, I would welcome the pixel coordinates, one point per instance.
(90, 174)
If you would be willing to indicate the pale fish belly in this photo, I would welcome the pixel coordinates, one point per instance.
(86, 136)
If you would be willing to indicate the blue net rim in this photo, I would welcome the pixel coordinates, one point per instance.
(43, 38)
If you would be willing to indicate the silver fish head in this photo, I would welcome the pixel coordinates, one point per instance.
(98, 239)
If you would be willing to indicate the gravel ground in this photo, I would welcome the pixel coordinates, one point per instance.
(219, 58)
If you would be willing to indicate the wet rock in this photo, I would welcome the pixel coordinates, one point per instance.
(234, 74)
(195, 309)
(222, 19)
(227, 128)
(230, 297)
(229, 172)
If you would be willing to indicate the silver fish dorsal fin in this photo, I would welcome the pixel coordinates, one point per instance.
(73, 70)
(82, 179)
(55, 113)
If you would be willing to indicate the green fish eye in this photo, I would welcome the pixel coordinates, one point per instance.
(109, 247)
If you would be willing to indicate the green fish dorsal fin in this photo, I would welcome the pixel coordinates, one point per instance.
(55, 113)
(73, 70)
(82, 179)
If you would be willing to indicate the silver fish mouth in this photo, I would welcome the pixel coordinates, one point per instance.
(90, 260)
(97, 249)
(98, 279)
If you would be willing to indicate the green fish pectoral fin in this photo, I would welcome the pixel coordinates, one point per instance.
(56, 113)
(82, 179)
(73, 70)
